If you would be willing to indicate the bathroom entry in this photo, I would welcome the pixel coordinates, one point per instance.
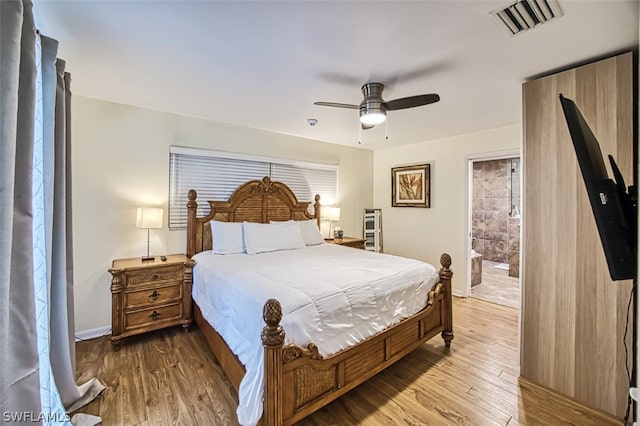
(495, 230)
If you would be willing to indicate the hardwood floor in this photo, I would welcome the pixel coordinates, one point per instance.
(170, 377)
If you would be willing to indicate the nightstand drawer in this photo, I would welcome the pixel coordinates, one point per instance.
(153, 296)
(152, 276)
(149, 316)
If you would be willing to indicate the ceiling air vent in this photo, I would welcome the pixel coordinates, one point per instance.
(527, 14)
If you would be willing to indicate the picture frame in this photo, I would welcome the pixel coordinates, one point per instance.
(411, 186)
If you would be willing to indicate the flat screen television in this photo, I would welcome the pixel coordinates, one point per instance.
(614, 207)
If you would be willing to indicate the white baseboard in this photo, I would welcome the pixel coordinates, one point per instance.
(458, 293)
(93, 333)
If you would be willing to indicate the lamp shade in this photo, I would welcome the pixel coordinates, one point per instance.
(331, 214)
(148, 217)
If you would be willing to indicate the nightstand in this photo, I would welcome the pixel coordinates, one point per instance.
(348, 241)
(150, 295)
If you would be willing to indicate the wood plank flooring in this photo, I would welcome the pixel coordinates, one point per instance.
(171, 378)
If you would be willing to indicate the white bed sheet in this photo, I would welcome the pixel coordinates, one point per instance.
(331, 295)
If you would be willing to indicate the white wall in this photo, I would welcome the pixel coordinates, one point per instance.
(427, 233)
(121, 161)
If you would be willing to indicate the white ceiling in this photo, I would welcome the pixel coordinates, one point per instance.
(262, 64)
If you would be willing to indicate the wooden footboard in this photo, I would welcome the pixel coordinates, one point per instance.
(298, 381)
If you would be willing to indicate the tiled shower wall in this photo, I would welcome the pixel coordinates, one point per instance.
(491, 208)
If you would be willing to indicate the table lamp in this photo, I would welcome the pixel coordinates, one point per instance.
(148, 218)
(330, 214)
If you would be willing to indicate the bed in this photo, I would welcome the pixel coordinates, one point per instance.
(299, 379)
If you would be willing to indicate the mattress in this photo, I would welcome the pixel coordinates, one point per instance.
(331, 295)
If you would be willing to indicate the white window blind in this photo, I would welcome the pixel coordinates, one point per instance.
(215, 175)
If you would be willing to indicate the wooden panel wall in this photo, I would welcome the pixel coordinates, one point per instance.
(573, 315)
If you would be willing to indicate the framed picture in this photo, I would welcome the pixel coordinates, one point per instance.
(411, 186)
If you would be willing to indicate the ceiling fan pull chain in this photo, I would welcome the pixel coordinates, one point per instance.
(386, 130)
(359, 134)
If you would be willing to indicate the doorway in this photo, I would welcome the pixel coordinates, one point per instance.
(494, 223)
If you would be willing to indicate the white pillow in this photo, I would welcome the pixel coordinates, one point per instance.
(227, 237)
(310, 232)
(266, 237)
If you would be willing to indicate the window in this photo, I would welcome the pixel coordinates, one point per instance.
(216, 174)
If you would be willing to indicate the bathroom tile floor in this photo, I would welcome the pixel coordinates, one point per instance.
(497, 286)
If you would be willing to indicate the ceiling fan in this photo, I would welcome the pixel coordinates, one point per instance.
(373, 109)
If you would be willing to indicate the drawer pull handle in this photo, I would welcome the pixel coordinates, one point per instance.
(154, 295)
(154, 277)
(154, 315)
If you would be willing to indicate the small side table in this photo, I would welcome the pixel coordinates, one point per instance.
(150, 295)
(348, 241)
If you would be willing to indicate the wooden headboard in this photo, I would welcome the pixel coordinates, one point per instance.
(255, 201)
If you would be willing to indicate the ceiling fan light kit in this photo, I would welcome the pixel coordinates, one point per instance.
(372, 116)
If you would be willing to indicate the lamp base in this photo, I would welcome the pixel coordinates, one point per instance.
(148, 258)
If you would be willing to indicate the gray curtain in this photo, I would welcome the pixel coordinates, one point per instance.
(57, 126)
(38, 347)
(19, 374)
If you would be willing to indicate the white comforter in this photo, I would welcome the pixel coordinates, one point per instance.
(331, 295)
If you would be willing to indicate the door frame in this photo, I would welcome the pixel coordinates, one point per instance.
(472, 158)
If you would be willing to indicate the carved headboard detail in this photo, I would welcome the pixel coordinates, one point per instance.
(255, 201)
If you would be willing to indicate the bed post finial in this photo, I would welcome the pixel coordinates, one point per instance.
(272, 340)
(192, 208)
(272, 333)
(445, 278)
(445, 261)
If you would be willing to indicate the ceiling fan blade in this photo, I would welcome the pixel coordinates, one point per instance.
(411, 101)
(337, 105)
(367, 126)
